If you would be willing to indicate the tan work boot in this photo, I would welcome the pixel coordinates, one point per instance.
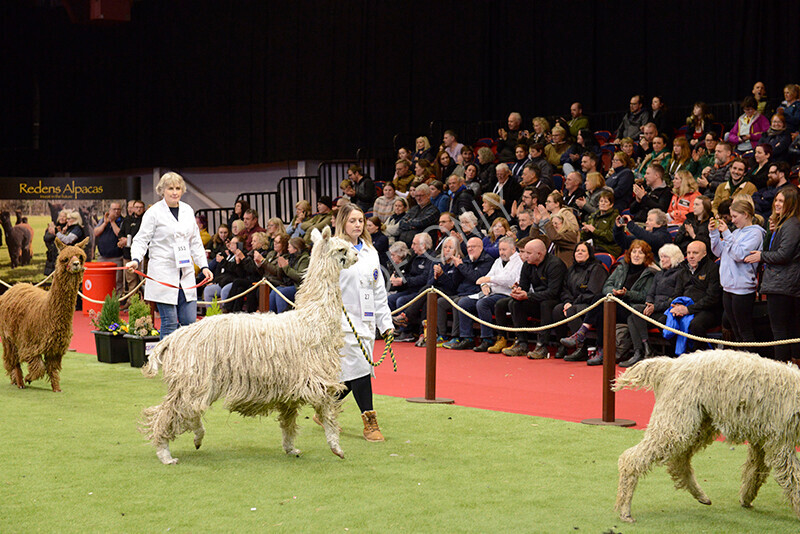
(371, 430)
(499, 345)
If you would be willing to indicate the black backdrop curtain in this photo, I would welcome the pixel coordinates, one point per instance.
(207, 83)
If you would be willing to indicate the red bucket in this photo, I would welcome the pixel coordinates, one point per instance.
(97, 284)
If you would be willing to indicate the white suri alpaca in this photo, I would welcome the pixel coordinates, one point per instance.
(258, 362)
(702, 395)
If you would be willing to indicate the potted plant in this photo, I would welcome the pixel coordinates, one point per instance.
(141, 336)
(108, 331)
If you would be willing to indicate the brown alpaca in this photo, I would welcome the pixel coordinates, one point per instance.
(22, 222)
(18, 240)
(36, 325)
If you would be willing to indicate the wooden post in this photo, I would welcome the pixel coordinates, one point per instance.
(430, 355)
(263, 298)
(609, 366)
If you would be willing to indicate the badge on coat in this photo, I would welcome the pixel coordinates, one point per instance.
(367, 304)
(182, 256)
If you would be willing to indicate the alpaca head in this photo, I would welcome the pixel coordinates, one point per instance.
(70, 257)
(338, 250)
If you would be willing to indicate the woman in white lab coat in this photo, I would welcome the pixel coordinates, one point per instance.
(170, 234)
(364, 297)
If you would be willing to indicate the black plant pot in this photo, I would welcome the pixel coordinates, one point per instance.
(110, 348)
(137, 348)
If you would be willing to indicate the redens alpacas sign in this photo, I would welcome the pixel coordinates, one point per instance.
(70, 188)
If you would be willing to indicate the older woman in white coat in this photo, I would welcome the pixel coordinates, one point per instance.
(169, 232)
(364, 297)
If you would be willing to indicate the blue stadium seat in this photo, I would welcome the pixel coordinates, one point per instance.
(606, 259)
(558, 179)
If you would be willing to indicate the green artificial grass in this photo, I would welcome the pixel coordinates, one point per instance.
(74, 462)
(34, 271)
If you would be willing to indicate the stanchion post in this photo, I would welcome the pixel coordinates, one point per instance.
(609, 366)
(430, 355)
(263, 298)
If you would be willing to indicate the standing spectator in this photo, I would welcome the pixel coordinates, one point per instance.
(748, 129)
(53, 228)
(363, 187)
(169, 234)
(790, 107)
(384, 205)
(424, 151)
(128, 230)
(739, 279)
(620, 178)
(684, 192)
(781, 279)
(106, 236)
(778, 138)
(633, 121)
(452, 146)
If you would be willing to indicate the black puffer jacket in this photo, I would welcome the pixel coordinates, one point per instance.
(782, 261)
(662, 292)
(584, 282)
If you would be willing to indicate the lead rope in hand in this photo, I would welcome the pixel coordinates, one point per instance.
(389, 337)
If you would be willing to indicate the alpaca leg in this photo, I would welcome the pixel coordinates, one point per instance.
(784, 462)
(754, 473)
(199, 431)
(287, 417)
(163, 423)
(35, 369)
(680, 468)
(11, 363)
(52, 366)
(328, 415)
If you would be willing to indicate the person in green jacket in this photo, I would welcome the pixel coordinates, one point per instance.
(599, 226)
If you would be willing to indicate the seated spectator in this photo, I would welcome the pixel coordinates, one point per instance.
(237, 229)
(420, 218)
(438, 198)
(737, 184)
(562, 232)
(404, 177)
(684, 192)
(320, 220)
(202, 225)
(553, 203)
(762, 102)
(392, 226)
(794, 151)
(528, 201)
(680, 159)
(574, 191)
(506, 187)
(407, 287)
(460, 198)
(595, 184)
(384, 205)
(578, 121)
(704, 153)
(540, 282)
(778, 138)
(251, 227)
(399, 258)
(217, 245)
(492, 208)
(540, 134)
(239, 207)
(522, 159)
(452, 146)
(628, 146)
(508, 139)
(405, 153)
(249, 269)
(660, 115)
(274, 227)
(585, 143)
(790, 107)
(657, 301)
(645, 145)
(446, 228)
(471, 178)
(524, 224)
(698, 280)
(749, 128)
(630, 282)
(599, 226)
(424, 151)
(712, 177)
(659, 154)
(620, 178)
(655, 232)
(467, 156)
(538, 160)
(777, 178)
(556, 148)
(495, 285)
(486, 165)
(500, 228)
(468, 224)
(444, 166)
(757, 174)
(532, 177)
(291, 270)
(653, 194)
(739, 279)
(348, 190)
(583, 285)
(698, 124)
(633, 122)
(363, 188)
(302, 211)
(379, 240)
(695, 226)
(226, 270)
(424, 173)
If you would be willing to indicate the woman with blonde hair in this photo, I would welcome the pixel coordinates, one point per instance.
(238, 229)
(563, 232)
(302, 211)
(595, 184)
(491, 206)
(424, 150)
(541, 131)
(684, 191)
(169, 234)
(491, 242)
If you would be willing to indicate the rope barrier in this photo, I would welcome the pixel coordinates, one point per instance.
(231, 299)
(121, 299)
(45, 279)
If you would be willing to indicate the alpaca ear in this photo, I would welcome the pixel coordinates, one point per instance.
(326, 233)
(316, 237)
(83, 243)
(59, 245)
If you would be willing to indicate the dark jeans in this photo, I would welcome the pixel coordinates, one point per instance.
(739, 311)
(784, 318)
(248, 302)
(483, 308)
(522, 309)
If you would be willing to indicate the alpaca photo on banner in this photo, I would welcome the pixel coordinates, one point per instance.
(699, 396)
(258, 362)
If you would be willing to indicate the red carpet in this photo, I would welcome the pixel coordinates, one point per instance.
(544, 388)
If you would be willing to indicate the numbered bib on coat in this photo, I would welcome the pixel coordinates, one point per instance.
(367, 304)
(183, 257)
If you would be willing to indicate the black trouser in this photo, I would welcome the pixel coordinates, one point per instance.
(784, 318)
(739, 311)
(538, 309)
(248, 302)
(362, 392)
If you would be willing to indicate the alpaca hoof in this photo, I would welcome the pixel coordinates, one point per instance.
(627, 518)
(165, 457)
(704, 500)
(56, 390)
(294, 452)
(747, 505)
(338, 452)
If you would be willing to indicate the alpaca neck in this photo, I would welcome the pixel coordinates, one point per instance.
(64, 291)
(319, 283)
